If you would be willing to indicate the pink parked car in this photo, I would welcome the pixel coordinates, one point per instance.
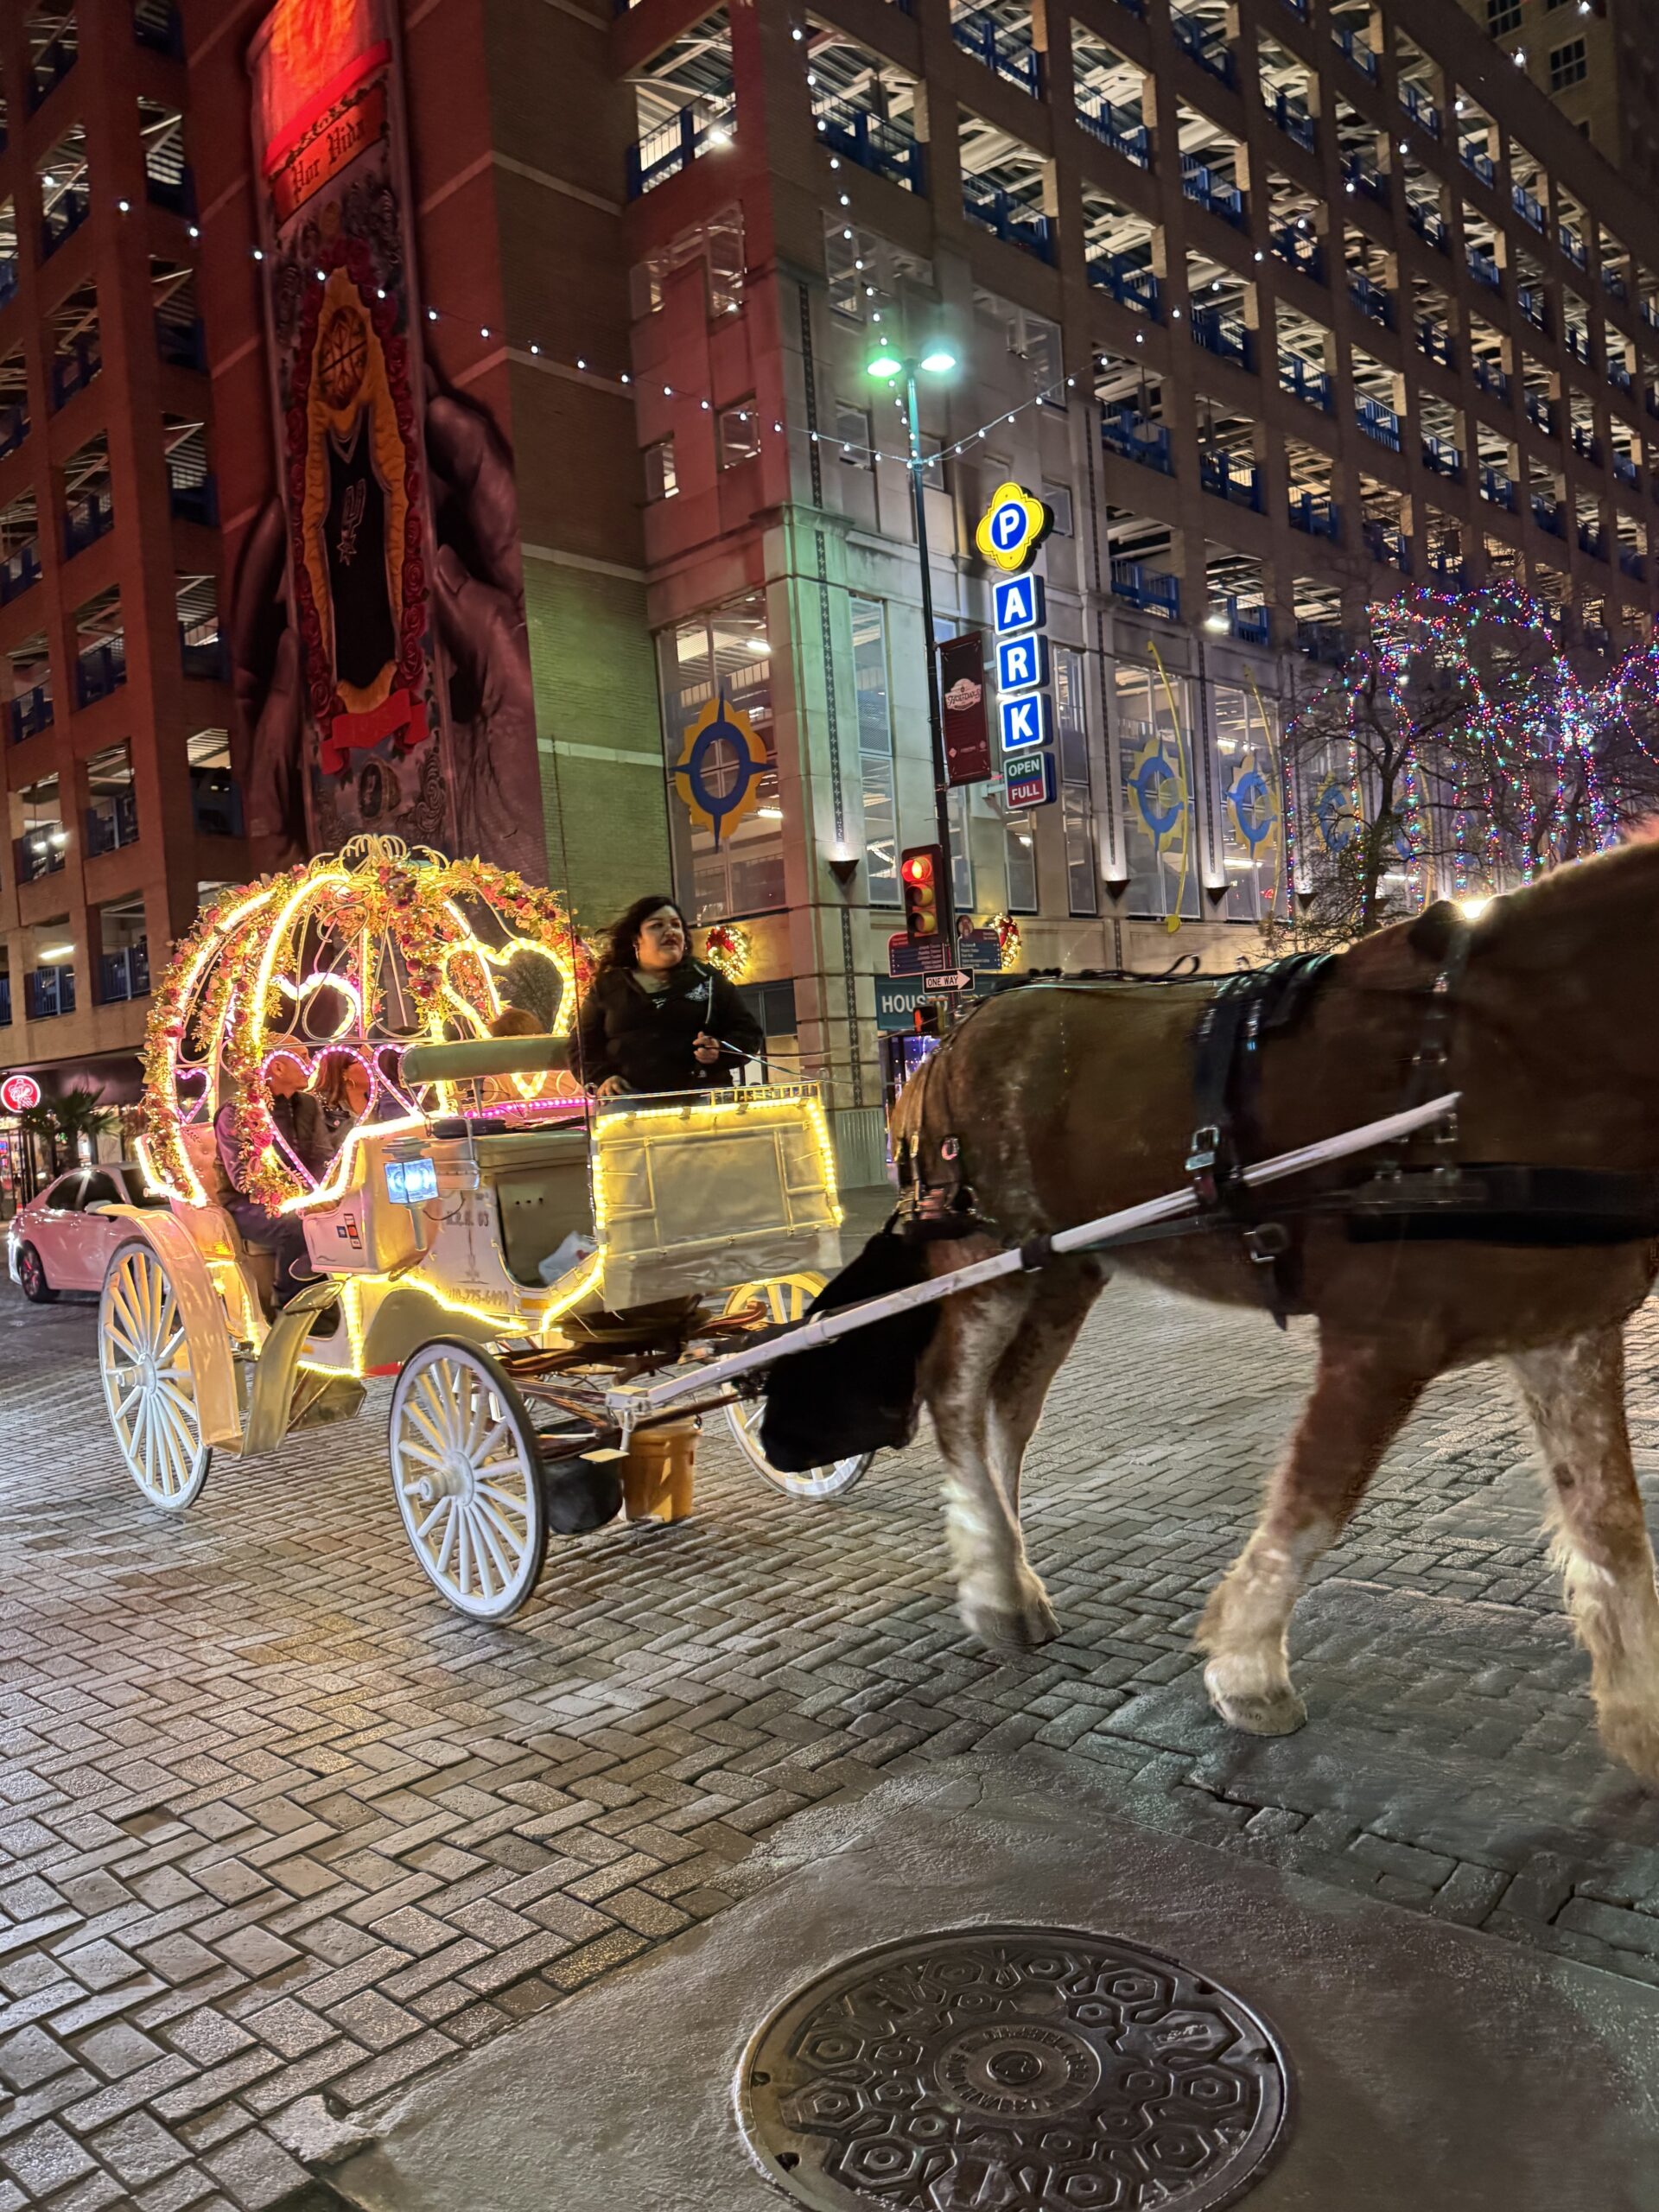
(62, 1240)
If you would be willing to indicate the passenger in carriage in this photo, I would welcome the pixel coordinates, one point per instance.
(655, 1019)
(341, 1089)
(298, 1123)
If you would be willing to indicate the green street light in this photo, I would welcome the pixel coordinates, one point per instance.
(885, 362)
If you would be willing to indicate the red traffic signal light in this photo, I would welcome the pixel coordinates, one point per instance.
(925, 1019)
(920, 870)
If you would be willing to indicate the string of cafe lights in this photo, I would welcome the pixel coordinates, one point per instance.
(650, 383)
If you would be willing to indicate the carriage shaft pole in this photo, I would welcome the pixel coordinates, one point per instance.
(629, 1404)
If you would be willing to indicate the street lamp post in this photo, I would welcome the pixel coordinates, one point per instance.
(937, 360)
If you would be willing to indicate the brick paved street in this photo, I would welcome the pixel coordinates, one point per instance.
(279, 1833)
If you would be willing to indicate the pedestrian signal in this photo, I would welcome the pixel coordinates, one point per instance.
(919, 871)
(925, 1017)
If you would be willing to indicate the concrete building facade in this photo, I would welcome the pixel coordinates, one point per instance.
(115, 709)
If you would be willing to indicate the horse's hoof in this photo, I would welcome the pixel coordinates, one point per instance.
(1630, 1734)
(1259, 1711)
(1020, 1627)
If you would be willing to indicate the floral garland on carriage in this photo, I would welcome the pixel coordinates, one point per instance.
(365, 950)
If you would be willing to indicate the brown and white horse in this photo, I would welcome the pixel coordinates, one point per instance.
(1068, 1103)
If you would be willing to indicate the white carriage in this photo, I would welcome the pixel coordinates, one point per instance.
(667, 1225)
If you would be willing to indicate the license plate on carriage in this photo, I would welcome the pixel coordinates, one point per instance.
(410, 1181)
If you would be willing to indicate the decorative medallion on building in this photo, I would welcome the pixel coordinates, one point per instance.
(1013, 2068)
(1012, 527)
(1335, 814)
(718, 774)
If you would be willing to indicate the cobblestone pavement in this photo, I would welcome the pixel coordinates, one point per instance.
(279, 1833)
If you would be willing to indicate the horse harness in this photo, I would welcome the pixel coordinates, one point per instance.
(1494, 1203)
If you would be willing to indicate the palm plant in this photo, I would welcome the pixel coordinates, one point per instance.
(65, 1122)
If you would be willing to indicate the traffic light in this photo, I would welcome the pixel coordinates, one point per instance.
(920, 870)
(925, 1019)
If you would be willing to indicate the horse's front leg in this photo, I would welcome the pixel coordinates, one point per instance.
(1000, 1596)
(1360, 1400)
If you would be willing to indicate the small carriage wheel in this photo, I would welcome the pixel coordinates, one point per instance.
(786, 1299)
(149, 1380)
(467, 1470)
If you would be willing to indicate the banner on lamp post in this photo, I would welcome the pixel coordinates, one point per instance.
(967, 726)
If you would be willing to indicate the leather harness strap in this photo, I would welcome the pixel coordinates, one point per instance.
(1226, 1071)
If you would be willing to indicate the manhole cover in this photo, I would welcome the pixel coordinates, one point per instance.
(1013, 2070)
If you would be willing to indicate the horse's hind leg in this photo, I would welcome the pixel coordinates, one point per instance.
(1000, 1597)
(1360, 1400)
(1575, 1394)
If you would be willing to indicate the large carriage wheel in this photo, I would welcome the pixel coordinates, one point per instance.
(150, 1382)
(467, 1470)
(786, 1298)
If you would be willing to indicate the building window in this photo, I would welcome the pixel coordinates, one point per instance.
(1033, 338)
(1252, 808)
(962, 856)
(853, 431)
(844, 263)
(740, 433)
(1057, 497)
(1151, 708)
(1503, 17)
(1567, 66)
(1020, 845)
(714, 663)
(717, 246)
(932, 464)
(880, 791)
(661, 482)
(1077, 793)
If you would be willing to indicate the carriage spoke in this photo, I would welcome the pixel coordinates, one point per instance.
(485, 1541)
(490, 1516)
(434, 1517)
(442, 1560)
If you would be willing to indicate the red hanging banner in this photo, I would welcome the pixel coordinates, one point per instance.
(967, 727)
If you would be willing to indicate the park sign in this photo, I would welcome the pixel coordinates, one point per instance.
(1024, 705)
(1012, 527)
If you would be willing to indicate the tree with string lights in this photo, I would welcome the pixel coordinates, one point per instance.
(1460, 750)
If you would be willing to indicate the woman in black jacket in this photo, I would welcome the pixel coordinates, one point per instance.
(656, 1020)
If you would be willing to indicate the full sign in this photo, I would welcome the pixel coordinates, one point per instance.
(20, 1094)
(1024, 703)
(1012, 527)
(1028, 779)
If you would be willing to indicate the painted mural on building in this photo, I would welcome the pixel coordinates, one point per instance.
(382, 661)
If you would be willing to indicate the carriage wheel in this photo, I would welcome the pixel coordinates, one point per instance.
(467, 1470)
(150, 1382)
(786, 1298)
